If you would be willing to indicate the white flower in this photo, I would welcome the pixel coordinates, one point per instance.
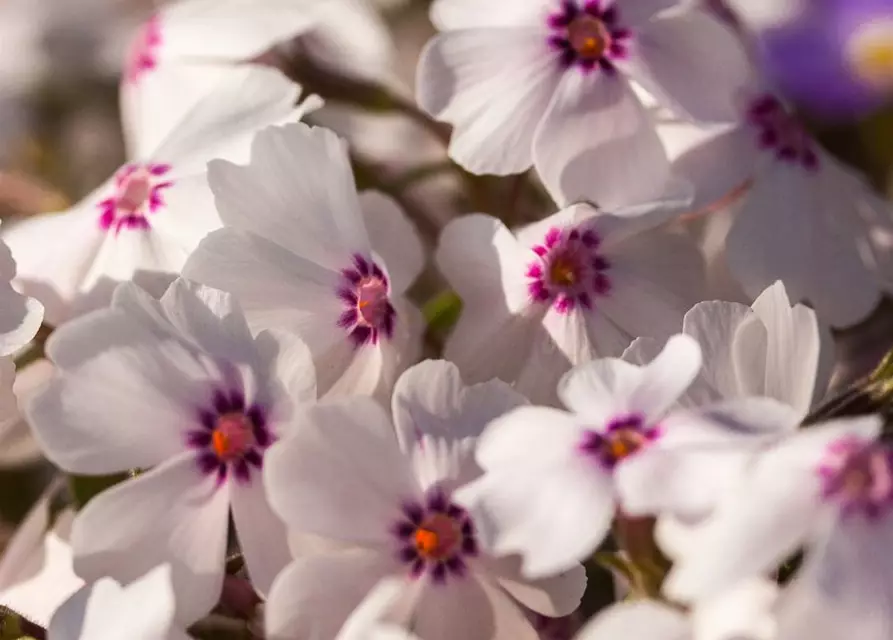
(180, 390)
(146, 218)
(17, 444)
(805, 218)
(104, 610)
(548, 82)
(827, 489)
(771, 349)
(20, 316)
(367, 622)
(744, 613)
(551, 477)
(388, 505)
(563, 291)
(301, 251)
(36, 574)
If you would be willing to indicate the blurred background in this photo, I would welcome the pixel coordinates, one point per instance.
(60, 135)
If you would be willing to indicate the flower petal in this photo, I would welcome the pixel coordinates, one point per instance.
(394, 238)
(667, 377)
(260, 532)
(644, 619)
(554, 596)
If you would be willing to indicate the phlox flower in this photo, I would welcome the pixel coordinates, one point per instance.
(771, 349)
(576, 286)
(302, 251)
(554, 479)
(827, 491)
(548, 82)
(145, 219)
(20, 316)
(181, 393)
(386, 503)
(104, 610)
(804, 218)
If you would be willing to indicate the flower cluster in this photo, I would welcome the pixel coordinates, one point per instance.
(241, 359)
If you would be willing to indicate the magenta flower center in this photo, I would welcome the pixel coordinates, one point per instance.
(435, 537)
(858, 476)
(138, 192)
(587, 35)
(233, 436)
(569, 272)
(365, 292)
(623, 437)
(779, 132)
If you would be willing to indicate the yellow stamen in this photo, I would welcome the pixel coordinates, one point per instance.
(870, 54)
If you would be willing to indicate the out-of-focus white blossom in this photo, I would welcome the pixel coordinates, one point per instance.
(303, 252)
(179, 390)
(387, 504)
(143, 222)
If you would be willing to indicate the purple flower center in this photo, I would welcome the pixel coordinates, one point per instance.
(143, 56)
(624, 436)
(139, 191)
(365, 293)
(436, 537)
(231, 436)
(588, 34)
(858, 476)
(568, 271)
(779, 132)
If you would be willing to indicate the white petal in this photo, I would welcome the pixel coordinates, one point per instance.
(714, 325)
(469, 14)
(469, 608)
(124, 409)
(772, 511)
(484, 262)
(17, 443)
(599, 390)
(276, 288)
(53, 253)
(431, 399)
(635, 12)
(598, 144)
(298, 192)
(182, 519)
(313, 596)
(692, 63)
(394, 238)
(493, 86)
(190, 214)
(365, 623)
(646, 619)
(766, 243)
(540, 496)
(342, 475)
(745, 611)
(260, 532)
(667, 377)
(292, 362)
(223, 124)
(793, 350)
(554, 596)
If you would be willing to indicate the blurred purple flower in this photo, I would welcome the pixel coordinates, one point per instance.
(835, 58)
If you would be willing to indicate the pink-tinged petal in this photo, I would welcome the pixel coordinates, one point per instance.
(645, 619)
(182, 519)
(493, 86)
(667, 377)
(342, 475)
(773, 510)
(599, 390)
(394, 237)
(298, 192)
(691, 63)
(189, 213)
(36, 574)
(315, 595)
(471, 608)
(597, 143)
(126, 408)
(554, 596)
(470, 14)
(432, 399)
(766, 243)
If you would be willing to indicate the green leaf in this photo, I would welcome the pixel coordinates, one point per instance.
(442, 312)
